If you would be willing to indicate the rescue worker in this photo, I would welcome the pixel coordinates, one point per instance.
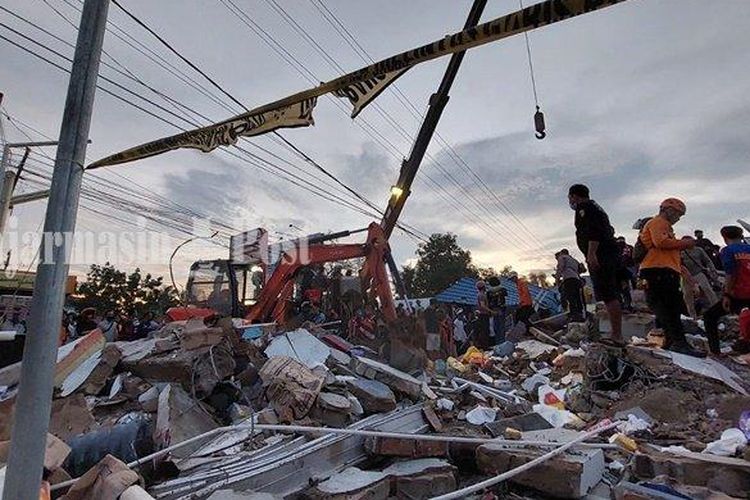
(662, 269)
(525, 305)
(595, 237)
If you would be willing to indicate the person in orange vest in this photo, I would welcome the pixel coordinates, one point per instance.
(662, 269)
(525, 304)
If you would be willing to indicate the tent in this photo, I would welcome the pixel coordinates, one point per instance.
(464, 292)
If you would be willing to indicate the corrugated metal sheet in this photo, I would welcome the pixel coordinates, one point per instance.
(464, 291)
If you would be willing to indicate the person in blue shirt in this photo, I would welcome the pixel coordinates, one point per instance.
(735, 258)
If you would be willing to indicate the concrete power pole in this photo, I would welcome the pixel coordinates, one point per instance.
(34, 401)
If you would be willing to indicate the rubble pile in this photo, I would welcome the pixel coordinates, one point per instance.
(227, 410)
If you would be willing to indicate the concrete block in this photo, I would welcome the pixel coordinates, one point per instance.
(353, 484)
(570, 475)
(421, 478)
(393, 378)
(374, 396)
(411, 448)
(724, 474)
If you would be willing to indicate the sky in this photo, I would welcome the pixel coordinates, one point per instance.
(643, 100)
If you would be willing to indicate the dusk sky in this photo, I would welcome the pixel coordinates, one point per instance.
(643, 100)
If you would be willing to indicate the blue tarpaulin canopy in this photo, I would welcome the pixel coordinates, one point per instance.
(464, 292)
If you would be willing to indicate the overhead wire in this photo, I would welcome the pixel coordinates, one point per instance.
(365, 56)
(125, 100)
(337, 67)
(308, 74)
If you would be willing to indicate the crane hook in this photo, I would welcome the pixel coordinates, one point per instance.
(539, 124)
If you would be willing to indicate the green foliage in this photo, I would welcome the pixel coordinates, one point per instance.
(107, 288)
(441, 261)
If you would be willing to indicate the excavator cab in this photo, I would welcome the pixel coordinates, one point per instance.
(222, 287)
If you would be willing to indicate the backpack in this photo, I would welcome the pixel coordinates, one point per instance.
(639, 250)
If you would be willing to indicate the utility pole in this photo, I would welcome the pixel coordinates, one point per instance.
(34, 400)
(10, 179)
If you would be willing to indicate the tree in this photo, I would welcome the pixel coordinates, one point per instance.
(441, 261)
(107, 288)
(539, 279)
(407, 276)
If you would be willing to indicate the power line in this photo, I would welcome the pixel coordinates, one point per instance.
(141, 108)
(306, 73)
(334, 64)
(351, 40)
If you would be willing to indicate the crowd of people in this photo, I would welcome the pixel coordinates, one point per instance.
(115, 327)
(680, 276)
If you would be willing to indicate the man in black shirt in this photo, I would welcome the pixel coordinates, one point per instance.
(596, 240)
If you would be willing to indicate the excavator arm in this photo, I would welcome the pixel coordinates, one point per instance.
(274, 302)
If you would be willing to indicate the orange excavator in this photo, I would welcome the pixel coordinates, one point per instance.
(228, 287)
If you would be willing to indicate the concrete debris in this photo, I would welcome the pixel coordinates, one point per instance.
(421, 478)
(300, 345)
(241, 495)
(107, 480)
(196, 334)
(290, 387)
(353, 484)
(570, 475)
(179, 418)
(674, 423)
(374, 396)
(393, 378)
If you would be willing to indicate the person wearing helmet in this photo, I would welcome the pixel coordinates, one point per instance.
(662, 269)
(595, 237)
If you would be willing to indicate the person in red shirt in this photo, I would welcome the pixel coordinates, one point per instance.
(735, 258)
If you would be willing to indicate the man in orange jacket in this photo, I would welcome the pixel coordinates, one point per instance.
(662, 268)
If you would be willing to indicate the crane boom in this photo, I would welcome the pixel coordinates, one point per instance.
(438, 100)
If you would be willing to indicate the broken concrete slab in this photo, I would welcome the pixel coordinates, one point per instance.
(105, 481)
(724, 474)
(291, 387)
(408, 448)
(98, 379)
(393, 378)
(374, 396)
(570, 475)
(71, 416)
(196, 334)
(353, 484)
(166, 367)
(633, 325)
(421, 478)
(300, 345)
(54, 455)
(179, 418)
